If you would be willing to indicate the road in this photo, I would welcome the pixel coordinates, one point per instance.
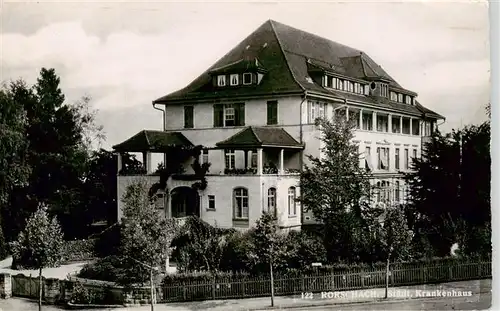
(478, 302)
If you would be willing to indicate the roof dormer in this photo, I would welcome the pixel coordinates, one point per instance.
(240, 73)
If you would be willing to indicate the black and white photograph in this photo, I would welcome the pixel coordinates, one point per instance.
(179, 156)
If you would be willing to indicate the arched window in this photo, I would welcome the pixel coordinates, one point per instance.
(240, 203)
(271, 200)
(292, 207)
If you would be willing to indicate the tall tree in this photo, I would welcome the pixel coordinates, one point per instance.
(333, 187)
(39, 245)
(57, 156)
(450, 190)
(14, 170)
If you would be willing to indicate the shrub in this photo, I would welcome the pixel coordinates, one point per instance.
(305, 248)
(78, 250)
(104, 269)
(108, 242)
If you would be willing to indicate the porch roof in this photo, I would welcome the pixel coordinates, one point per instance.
(155, 141)
(257, 137)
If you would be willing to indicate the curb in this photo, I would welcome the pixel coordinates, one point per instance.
(361, 302)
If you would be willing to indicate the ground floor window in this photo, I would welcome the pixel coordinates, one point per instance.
(240, 203)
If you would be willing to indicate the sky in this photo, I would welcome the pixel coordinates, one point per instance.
(125, 55)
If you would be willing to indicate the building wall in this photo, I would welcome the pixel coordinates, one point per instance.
(222, 187)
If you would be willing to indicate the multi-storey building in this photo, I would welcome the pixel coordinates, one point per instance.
(253, 112)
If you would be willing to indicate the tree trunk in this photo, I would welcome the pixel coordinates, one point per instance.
(387, 278)
(40, 289)
(152, 289)
(272, 281)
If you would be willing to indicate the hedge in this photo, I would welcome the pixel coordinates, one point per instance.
(79, 250)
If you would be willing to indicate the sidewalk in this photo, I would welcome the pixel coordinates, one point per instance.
(473, 288)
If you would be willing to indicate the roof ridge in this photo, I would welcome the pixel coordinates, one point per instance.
(228, 65)
(255, 135)
(271, 22)
(363, 64)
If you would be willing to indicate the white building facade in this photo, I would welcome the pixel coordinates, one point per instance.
(253, 115)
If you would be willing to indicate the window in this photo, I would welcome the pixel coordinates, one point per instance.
(408, 99)
(211, 202)
(368, 159)
(354, 117)
(334, 83)
(400, 98)
(427, 128)
(356, 88)
(230, 159)
(383, 158)
(253, 159)
(234, 79)
(396, 156)
(247, 78)
(396, 124)
(188, 117)
(292, 206)
(407, 160)
(367, 89)
(394, 96)
(321, 110)
(328, 81)
(414, 155)
(240, 203)
(221, 80)
(204, 156)
(272, 112)
(415, 127)
(396, 192)
(382, 123)
(311, 107)
(406, 126)
(351, 87)
(384, 89)
(271, 200)
(229, 115)
(367, 121)
(340, 84)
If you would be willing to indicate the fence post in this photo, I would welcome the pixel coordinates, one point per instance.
(213, 287)
(450, 273)
(302, 280)
(479, 269)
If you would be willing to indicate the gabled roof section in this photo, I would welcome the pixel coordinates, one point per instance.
(287, 54)
(254, 137)
(149, 140)
(262, 45)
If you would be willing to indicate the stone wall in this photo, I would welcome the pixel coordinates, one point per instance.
(57, 291)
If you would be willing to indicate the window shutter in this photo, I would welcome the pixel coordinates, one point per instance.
(240, 114)
(218, 115)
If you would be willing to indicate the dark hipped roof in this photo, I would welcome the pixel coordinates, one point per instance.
(149, 140)
(285, 53)
(252, 137)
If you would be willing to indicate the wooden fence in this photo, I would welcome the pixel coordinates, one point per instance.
(232, 287)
